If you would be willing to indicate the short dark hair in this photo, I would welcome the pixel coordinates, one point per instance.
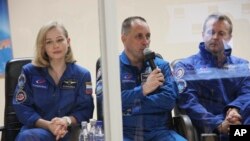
(126, 24)
(219, 17)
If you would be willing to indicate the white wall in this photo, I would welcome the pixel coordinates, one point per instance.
(175, 26)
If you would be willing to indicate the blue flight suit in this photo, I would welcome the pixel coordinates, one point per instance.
(37, 96)
(246, 113)
(145, 118)
(207, 90)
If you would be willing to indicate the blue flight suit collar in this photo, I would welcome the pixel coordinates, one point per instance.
(125, 60)
(45, 72)
(210, 58)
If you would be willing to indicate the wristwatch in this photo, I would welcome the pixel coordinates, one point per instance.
(68, 120)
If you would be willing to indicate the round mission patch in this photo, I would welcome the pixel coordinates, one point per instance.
(21, 96)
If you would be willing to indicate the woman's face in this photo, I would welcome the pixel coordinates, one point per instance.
(56, 44)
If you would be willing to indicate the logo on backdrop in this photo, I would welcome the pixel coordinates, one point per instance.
(5, 41)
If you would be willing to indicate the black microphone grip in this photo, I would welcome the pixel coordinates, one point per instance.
(152, 64)
(149, 56)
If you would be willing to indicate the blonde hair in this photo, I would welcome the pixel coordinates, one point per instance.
(41, 58)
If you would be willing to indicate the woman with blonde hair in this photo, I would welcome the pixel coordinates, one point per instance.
(53, 92)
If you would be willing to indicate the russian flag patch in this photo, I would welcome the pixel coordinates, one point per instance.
(88, 88)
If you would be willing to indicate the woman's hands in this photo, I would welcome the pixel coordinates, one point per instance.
(58, 127)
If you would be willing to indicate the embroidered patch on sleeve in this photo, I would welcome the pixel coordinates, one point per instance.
(21, 81)
(21, 96)
(88, 88)
(182, 85)
(179, 73)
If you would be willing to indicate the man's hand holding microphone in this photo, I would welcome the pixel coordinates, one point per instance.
(155, 78)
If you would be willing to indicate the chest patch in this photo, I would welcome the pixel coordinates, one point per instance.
(128, 78)
(69, 84)
(144, 77)
(39, 82)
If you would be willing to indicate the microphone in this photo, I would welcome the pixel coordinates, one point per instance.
(149, 56)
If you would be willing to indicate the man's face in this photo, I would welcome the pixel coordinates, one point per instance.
(136, 40)
(215, 35)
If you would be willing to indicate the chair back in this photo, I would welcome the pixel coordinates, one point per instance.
(191, 133)
(98, 90)
(11, 123)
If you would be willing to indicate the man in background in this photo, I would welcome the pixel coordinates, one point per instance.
(213, 84)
